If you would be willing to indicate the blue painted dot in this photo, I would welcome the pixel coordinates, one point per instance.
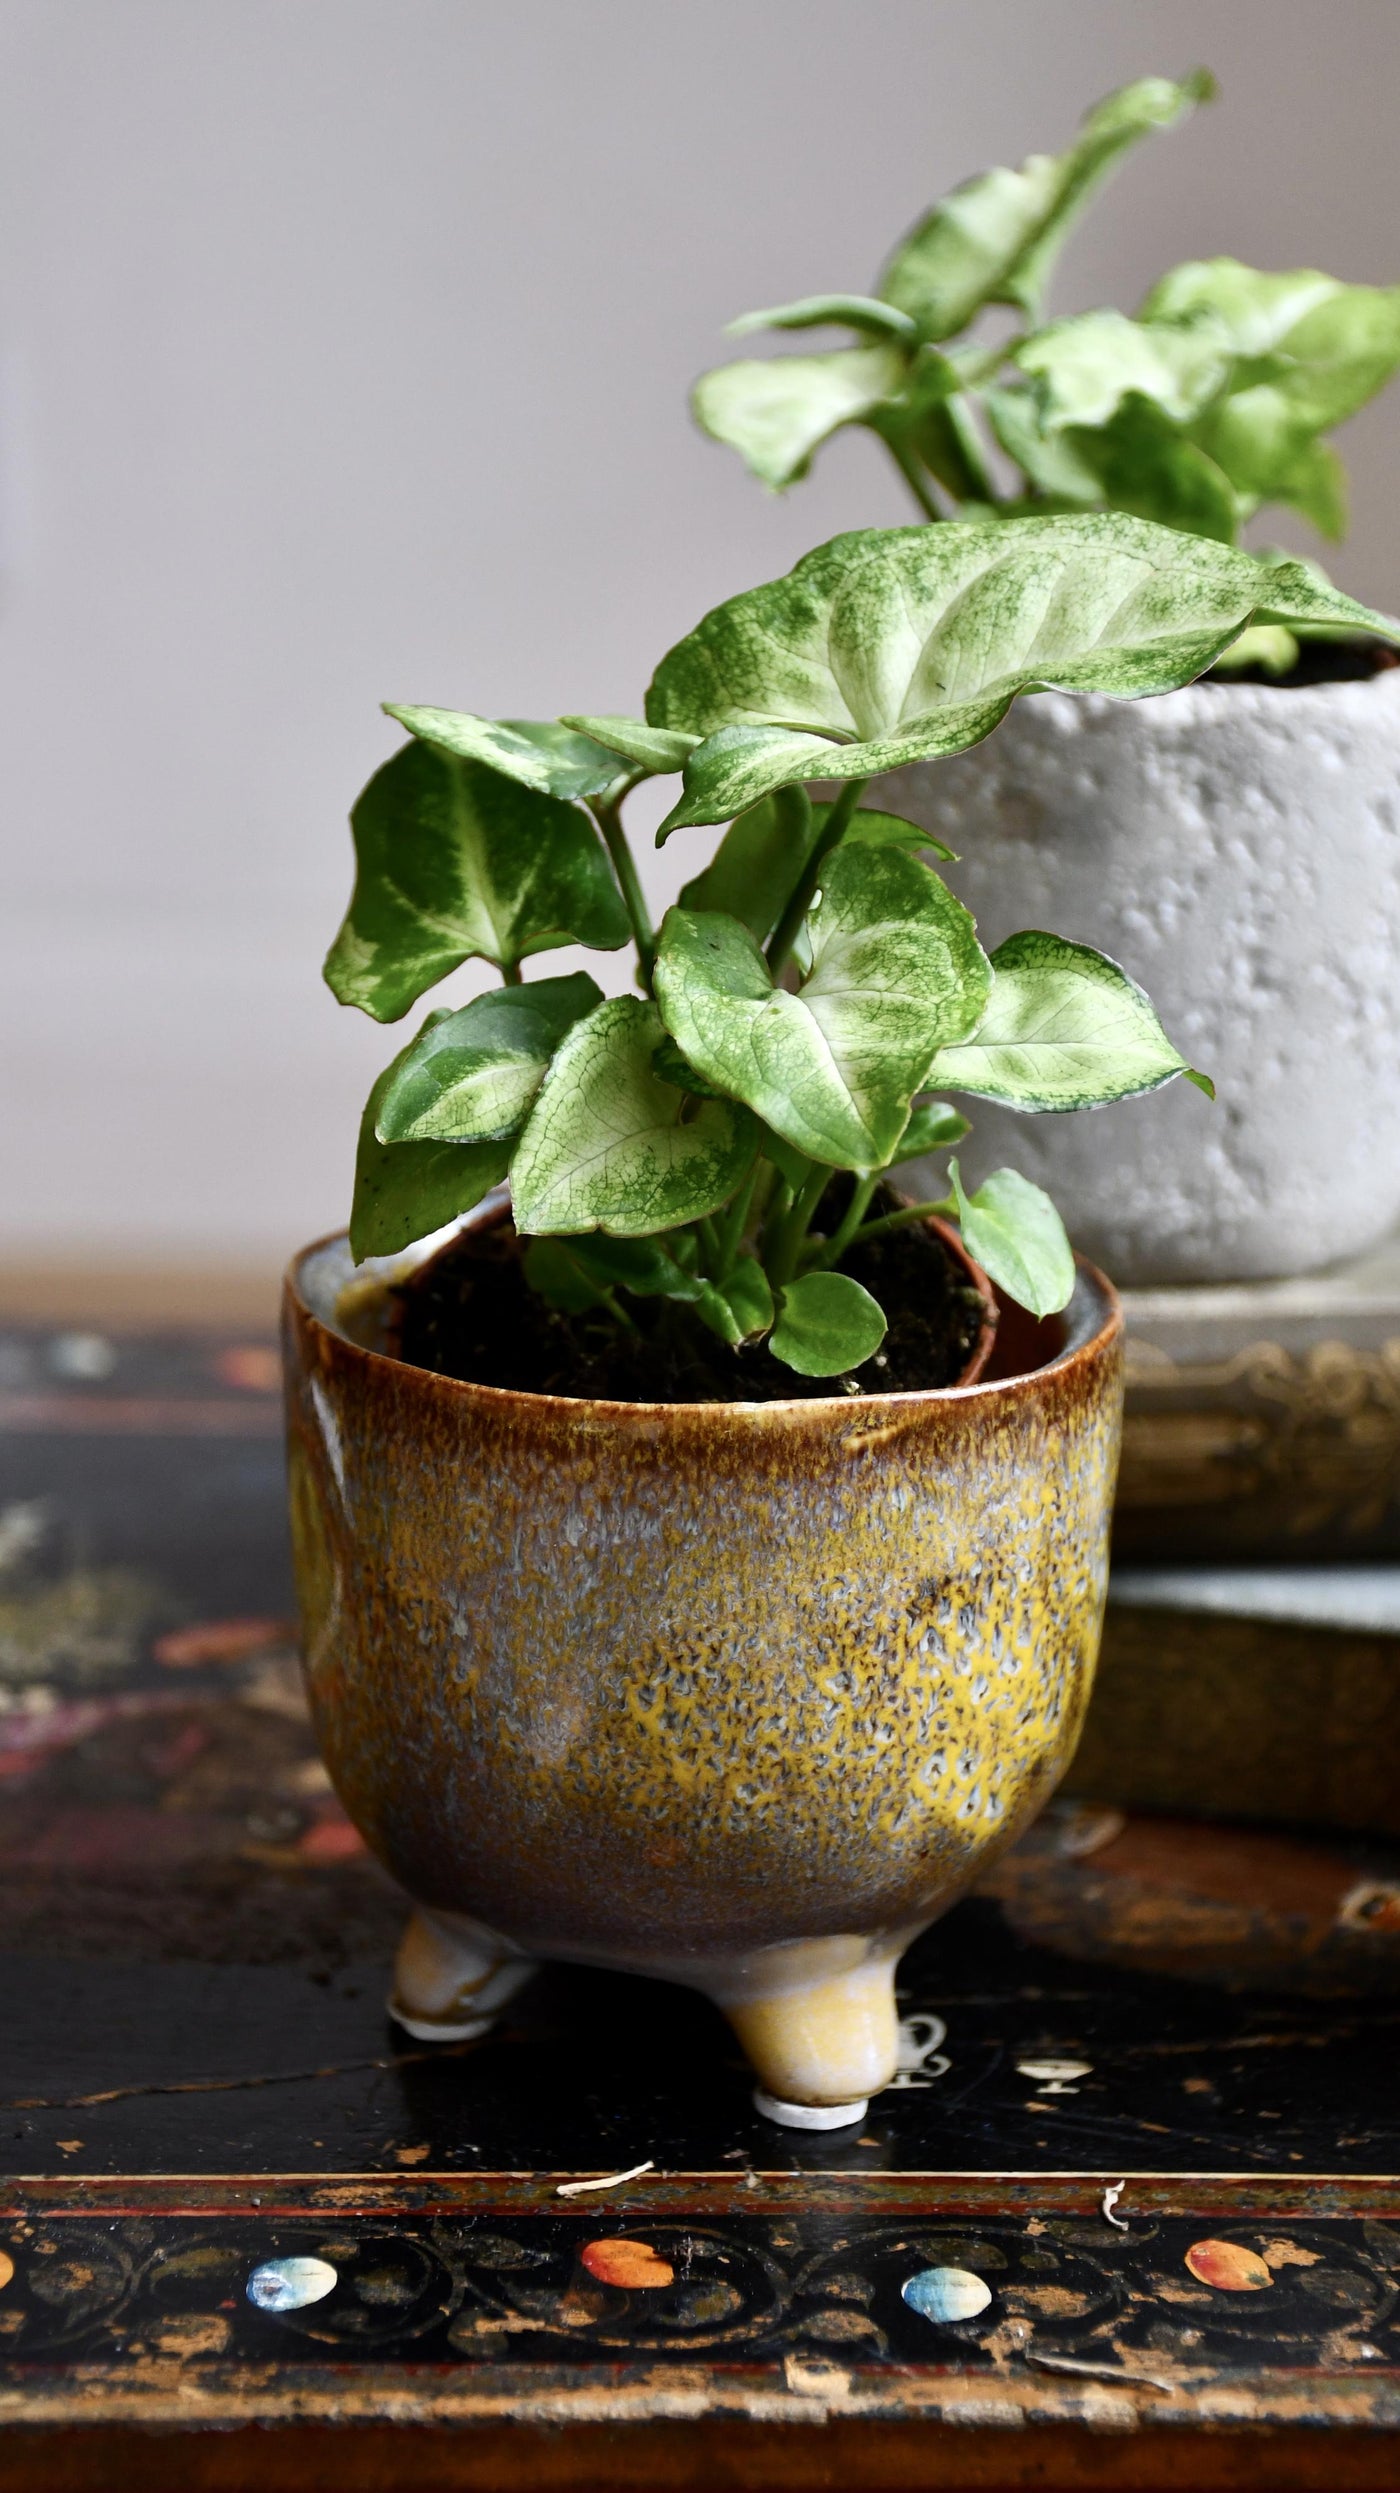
(290, 2284)
(945, 2294)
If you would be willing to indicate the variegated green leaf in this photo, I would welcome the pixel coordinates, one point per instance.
(542, 753)
(454, 861)
(892, 645)
(609, 1145)
(896, 970)
(470, 1076)
(1329, 347)
(404, 1191)
(1015, 1233)
(1084, 367)
(1310, 350)
(650, 750)
(862, 312)
(996, 238)
(761, 856)
(1065, 1027)
(776, 413)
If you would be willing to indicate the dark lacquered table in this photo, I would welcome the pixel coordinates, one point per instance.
(198, 2084)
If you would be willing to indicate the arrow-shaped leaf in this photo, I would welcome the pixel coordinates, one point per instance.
(452, 861)
(471, 1075)
(1065, 1028)
(1018, 1237)
(542, 753)
(889, 646)
(776, 413)
(404, 1191)
(996, 238)
(609, 1145)
(761, 856)
(896, 969)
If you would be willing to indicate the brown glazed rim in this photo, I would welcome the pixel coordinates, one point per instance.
(812, 1408)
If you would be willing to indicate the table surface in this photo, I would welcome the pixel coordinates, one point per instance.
(197, 2078)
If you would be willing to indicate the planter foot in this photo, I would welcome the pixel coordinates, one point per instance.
(810, 2115)
(452, 1978)
(817, 2019)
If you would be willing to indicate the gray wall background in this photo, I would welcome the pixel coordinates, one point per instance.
(343, 355)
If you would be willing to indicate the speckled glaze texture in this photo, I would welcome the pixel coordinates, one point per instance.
(1237, 848)
(669, 1686)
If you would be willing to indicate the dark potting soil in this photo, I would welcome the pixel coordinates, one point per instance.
(470, 1313)
(1319, 662)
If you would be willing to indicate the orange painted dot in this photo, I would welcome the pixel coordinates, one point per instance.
(626, 2263)
(1229, 2267)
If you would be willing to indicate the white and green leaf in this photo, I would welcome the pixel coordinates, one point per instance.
(775, 413)
(862, 312)
(652, 751)
(542, 753)
(470, 1076)
(610, 1145)
(404, 1191)
(1014, 1232)
(889, 646)
(761, 856)
(995, 239)
(1081, 369)
(1064, 1028)
(453, 862)
(896, 971)
(827, 1324)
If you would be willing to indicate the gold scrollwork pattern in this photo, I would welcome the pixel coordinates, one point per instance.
(1314, 1434)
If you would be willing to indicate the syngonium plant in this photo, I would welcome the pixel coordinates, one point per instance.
(817, 990)
(1209, 402)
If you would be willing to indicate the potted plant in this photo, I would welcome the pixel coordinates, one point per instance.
(685, 1587)
(1184, 838)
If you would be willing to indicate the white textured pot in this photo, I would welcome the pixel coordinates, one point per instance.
(1237, 848)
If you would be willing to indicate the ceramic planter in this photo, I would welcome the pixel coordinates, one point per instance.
(742, 1695)
(1237, 848)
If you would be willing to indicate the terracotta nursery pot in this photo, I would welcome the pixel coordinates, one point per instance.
(742, 1695)
(1237, 848)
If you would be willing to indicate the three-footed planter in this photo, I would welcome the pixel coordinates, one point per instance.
(1237, 848)
(742, 1695)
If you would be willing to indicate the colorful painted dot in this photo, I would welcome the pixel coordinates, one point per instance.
(1229, 2267)
(618, 2262)
(944, 2294)
(7, 2268)
(290, 2284)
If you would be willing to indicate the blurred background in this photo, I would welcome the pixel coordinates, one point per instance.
(344, 349)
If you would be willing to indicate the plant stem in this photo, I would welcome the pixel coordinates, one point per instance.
(850, 1222)
(511, 975)
(609, 821)
(789, 925)
(901, 1219)
(731, 1225)
(782, 1263)
(615, 1308)
(908, 467)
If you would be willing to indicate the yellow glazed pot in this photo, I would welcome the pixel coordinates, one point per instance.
(741, 1694)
